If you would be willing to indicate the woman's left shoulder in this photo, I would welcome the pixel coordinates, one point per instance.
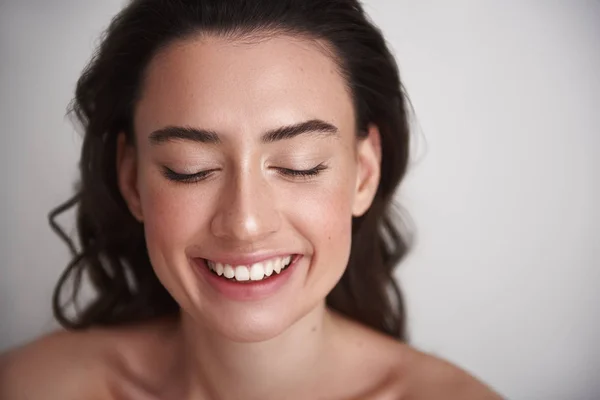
(403, 372)
(425, 376)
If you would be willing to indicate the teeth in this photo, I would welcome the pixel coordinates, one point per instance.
(228, 272)
(242, 273)
(277, 265)
(254, 272)
(257, 272)
(268, 267)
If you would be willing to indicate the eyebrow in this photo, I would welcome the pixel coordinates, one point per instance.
(198, 135)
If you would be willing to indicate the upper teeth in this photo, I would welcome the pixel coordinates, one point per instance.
(254, 272)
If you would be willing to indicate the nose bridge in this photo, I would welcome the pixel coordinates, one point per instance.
(246, 211)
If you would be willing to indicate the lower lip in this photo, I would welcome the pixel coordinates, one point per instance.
(246, 290)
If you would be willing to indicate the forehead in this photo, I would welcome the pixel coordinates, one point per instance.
(242, 88)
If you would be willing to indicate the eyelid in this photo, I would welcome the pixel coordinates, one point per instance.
(302, 173)
(186, 178)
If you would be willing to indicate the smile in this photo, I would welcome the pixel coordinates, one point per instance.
(255, 272)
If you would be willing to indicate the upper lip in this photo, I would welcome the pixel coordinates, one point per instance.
(247, 259)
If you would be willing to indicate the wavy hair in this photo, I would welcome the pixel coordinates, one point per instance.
(112, 251)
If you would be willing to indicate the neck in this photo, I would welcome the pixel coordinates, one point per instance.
(223, 369)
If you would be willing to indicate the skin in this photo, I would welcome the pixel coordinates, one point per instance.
(289, 345)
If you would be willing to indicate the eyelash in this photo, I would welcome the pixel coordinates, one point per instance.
(199, 176)
(306, 173)
(186, 178)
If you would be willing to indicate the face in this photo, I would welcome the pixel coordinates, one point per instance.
(246, 173)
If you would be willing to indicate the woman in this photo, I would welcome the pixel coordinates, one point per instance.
(234, 214)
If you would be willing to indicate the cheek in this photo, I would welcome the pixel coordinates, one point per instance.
(327, 213)
(172, 216)
(324, 217)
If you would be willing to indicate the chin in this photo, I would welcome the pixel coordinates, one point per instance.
(250, 324)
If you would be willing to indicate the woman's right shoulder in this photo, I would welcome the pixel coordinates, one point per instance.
(61, 365)
(96, 363)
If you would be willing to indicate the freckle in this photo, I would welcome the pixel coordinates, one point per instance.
(314, 328)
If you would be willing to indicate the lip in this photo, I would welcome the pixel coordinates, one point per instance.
(246, 290)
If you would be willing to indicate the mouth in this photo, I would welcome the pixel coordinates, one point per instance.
(259, 271)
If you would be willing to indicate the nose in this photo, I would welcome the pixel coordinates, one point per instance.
(247, 209)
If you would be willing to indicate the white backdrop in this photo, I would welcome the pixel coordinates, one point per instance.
(504, 187)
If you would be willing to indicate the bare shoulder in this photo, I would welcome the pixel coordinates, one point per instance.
(402, 372)
(430, 377)
(55, 366)
(90, 364)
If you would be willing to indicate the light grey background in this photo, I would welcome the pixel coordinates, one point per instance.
(504, 186)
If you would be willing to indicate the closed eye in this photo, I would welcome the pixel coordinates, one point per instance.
(186, 178)
(302, 173)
